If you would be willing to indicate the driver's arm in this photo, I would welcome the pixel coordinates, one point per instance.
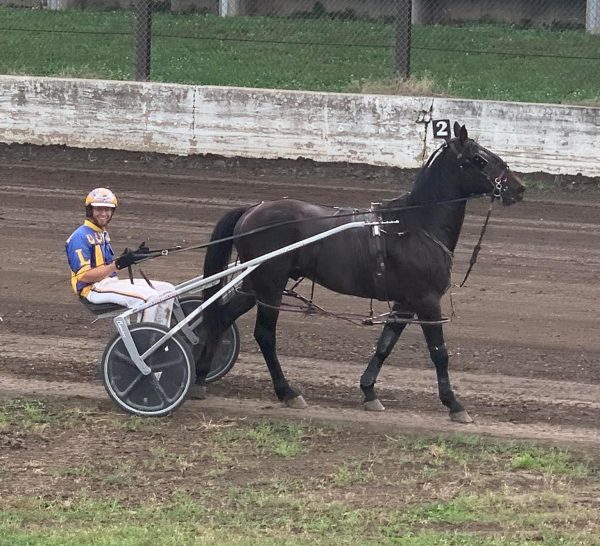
(98, 273)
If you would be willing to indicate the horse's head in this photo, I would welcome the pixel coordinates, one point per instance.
(482, 171)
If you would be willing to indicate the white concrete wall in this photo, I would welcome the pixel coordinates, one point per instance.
(259, 123)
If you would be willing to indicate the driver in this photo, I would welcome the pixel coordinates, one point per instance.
(94, 267)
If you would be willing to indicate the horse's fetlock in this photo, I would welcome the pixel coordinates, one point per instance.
(369, 395)
(285, 392)
(367, 386)
(453, 405)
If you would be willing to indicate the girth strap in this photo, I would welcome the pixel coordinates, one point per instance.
(378, 252)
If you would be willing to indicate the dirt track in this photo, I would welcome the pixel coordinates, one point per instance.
(523, 341)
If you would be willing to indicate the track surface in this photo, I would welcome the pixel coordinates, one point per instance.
(524, 340)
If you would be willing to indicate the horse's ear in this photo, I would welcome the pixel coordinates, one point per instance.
(460, 132)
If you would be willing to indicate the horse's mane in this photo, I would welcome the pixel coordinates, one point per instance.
(430, 187)
(431, 183)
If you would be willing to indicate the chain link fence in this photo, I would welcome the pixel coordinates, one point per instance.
(525, 50)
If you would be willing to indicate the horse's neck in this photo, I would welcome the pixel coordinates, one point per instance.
(446, 222)
(440, 209)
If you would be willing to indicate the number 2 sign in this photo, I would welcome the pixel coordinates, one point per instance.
(441, 128)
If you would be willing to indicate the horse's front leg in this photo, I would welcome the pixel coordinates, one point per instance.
(265, 335)
(386, 342)
(438, 351)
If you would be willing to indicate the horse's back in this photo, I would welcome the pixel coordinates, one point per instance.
(276, 224)
(273, 213)
(338, 262)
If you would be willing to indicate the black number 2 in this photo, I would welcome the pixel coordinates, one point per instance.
(441, 128)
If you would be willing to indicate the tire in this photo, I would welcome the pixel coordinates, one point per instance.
(229, 348)
(165, 388)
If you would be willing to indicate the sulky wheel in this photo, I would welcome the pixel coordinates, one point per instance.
(165, 388)
(229, 348)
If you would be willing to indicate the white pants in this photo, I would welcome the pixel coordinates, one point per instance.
(122, 292)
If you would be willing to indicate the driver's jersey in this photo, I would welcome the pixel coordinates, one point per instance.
(87, 247)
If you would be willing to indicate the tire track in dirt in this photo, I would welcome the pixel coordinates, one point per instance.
(389, 422)
(339, 379)
(497, 387)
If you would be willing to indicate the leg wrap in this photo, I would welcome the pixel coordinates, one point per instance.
(439, 355)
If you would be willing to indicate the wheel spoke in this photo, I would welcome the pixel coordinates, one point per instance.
(131, 386)
(165, 365)
(161, 392)
(123, 357)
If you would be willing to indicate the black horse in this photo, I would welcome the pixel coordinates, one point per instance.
(408, 263)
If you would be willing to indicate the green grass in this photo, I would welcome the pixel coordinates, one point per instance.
(25, 414)
(550, 462)
(474, 450)
(475, 61)
(87, 479)
(281, 439)
(248, 516)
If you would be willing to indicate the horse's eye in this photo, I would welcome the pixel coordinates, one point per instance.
(479, 161)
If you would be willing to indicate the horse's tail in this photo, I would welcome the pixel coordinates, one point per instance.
(217, 259)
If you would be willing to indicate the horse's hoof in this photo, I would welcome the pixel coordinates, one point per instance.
(373, 405)
(197, 392)
(297, 402)
(461, 417)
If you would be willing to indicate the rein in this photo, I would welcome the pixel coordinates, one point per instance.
(176, 249)
(495, 195)
(497, 189)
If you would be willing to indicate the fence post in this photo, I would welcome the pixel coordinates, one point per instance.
(402, 35)
(229, 7)
(143, 39)
(592, 17)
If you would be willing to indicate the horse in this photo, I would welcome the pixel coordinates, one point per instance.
(407, 263)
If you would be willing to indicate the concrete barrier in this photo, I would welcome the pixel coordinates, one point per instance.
(262, 123)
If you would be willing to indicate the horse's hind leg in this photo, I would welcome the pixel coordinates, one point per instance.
(265, 335)
(239, 304)
(387, 340)
(438, 351)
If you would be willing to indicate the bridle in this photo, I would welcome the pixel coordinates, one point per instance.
(498, 183)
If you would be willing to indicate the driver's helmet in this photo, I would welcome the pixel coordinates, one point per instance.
(101, 197)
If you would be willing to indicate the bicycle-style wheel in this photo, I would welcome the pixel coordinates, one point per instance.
(165, 388)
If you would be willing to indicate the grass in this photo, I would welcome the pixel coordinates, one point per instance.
(281, 439)
(476, 61)
(96, 481)
(262, 518)
(30, 415)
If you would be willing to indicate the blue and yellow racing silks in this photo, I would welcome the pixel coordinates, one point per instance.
(87, 247)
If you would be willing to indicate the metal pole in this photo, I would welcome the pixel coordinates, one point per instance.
(228, 8)
(143, 39)
(402, 35)
(592, 17)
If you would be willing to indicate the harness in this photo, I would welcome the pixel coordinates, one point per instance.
(376, 243)
(377, 250)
